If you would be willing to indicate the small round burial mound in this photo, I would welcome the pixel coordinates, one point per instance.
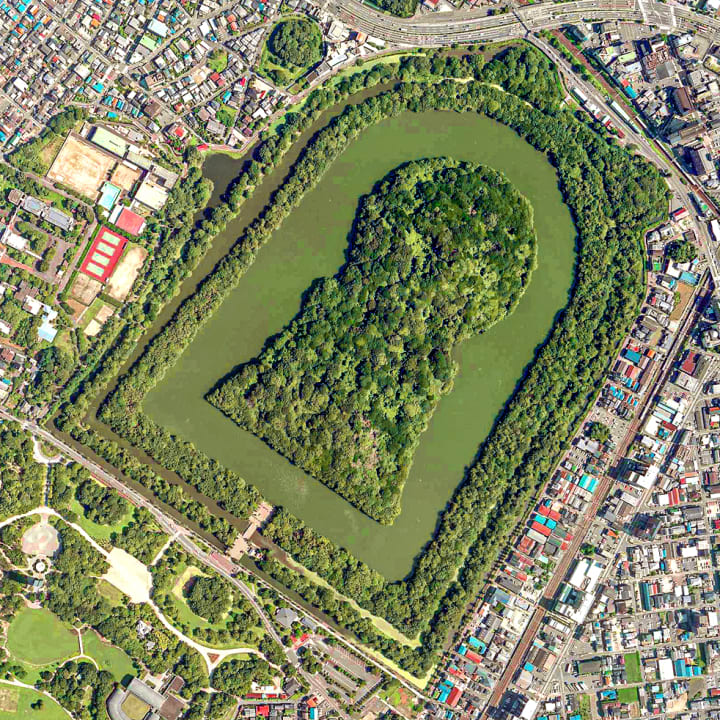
(41, 540)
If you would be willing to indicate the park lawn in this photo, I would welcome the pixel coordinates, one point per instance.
(632, 667)
(184, 613)
(100, 533)
(187, 617)
(38, 637)
(235, 656)
(108, 657)
(15, 705)
(110, 592)
(628, 695)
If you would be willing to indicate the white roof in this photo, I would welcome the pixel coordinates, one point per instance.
(529, 710)
(665, 668)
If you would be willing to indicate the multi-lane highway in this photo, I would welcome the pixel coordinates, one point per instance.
(468, 26)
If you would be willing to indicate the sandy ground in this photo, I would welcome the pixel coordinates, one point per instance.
(77, 309)
(123, 277)
(125, 177)
(82, 166)
(93, 328)
(85, 289)
(129, 575)
(40, 539)
(105, 312)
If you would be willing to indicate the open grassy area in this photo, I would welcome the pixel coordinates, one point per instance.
(101, 533)
(584, 706)
(380, 623)
(628, 695)
(235, 656)
(15, 704)
(64, 341)
(38, 637)
(218, 60)
(91, 312)
(186, 616)
(632, 667)
(108, 657)
(51, 149)
(110, 592)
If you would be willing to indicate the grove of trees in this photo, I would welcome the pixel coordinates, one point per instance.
(296, 42)
(613, 195)
(209, 597)
(440, 251)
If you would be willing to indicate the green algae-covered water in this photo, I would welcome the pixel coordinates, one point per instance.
(311, 244)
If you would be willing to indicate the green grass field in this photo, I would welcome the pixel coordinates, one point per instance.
(38, 637)
(15, 704)
(632, 667)
(218, 60)
(584, 706)
(186, 616)
(108, 657)
(628, 695)
(110, 592)
(100, 533)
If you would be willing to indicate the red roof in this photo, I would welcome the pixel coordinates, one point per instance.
(104, 254)
(263, 710)
(130, 222)
(689, 364)
(542, 529)
(454, 696)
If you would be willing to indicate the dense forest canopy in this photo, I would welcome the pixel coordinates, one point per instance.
(614, 196)
(296, 42)
(440, 251)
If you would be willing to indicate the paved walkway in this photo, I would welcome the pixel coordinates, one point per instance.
(218, 655)
(17, 683)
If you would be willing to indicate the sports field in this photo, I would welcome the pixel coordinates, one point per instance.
(135, 708)
(38, 637)
(82, 166)
(85, 289)
(122, 279)
(125, 177)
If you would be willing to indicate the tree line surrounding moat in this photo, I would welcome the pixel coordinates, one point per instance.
(439, 252)
(613, 197)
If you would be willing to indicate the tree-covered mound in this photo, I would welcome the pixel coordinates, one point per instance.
(440, 250)
(296, 43)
